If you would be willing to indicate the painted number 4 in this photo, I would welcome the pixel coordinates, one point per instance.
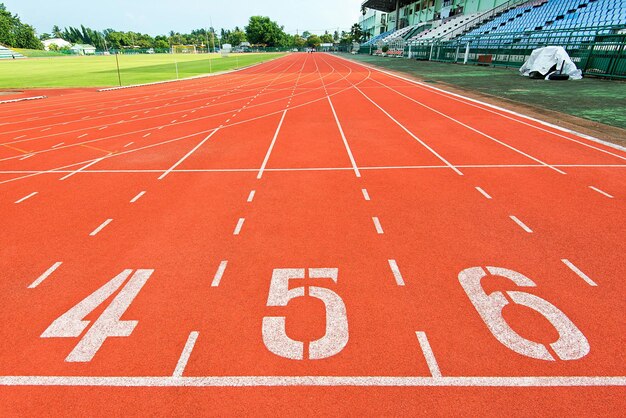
(274, 334)
(108, 324)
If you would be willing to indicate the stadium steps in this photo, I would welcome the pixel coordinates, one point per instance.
(6, 53)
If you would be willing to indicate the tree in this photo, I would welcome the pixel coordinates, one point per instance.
(326, 38)
(16, 34)
(56, 31)
(298, 42)
(306, 34)
(313, 41)
(44, 37)
(262, 30)
(356, 32)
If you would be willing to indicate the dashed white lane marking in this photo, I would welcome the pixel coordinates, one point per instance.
(601, 192)
(366, 195)
(396, 272)
(18, 137)
(307, 381)
(26, 156)
(46, 129)
(147, 135)
(239, 226)
(184, 116)
(428, 354)
(85, 117)
(82, 168)
(136, 116)
(174, 121)
(521, 224)
(136, 198)
(343, 137)
(103, 128)
(184, 356)
(482, 192)
(269, 150)
(58, 145)
(82, 136)
(128, 145)
(379, 228)
(146, 112)
(101, 227)
(219, 273)
(45, 275)
(26, 197)
(579, 272)
(251, 196)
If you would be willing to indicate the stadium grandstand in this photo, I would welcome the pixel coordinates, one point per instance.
(500, 32)
(6, 53)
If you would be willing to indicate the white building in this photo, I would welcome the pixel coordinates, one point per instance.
(83, 49)
(60, 43)
(373, 22)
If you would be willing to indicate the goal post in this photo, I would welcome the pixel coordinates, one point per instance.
(184, 49)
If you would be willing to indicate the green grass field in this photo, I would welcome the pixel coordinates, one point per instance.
(101, 71)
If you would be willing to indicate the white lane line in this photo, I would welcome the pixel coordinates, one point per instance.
(269, 151)
(320, 381)
(45, 275)
(251, 196)
(26, 197)
(456, 170)
(103, 128)
(82, 168)
(136, 116)
(379, 228)
(396, 272)
(174, 121)
(58, 145)
(366, 195)
(26, 156)
(184, 356)
(147, 135)
(136, 198)
(128, 145)
(579, 272)
(219, 273)
(100, 228)
(343, 137)
(239, 225)
(19, 137)
(179, 162)
(521, 224)
(46, 129)
(428, 354)
(482, 192)
(82, 136)
(601, 192)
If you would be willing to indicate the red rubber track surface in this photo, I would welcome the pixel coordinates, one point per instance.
(211, 188)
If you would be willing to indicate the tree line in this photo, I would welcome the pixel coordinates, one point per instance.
(260, 31)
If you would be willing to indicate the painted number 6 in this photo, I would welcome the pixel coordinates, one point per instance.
(571, 344)
(274, 334)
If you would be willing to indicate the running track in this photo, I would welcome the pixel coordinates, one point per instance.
(306, 234)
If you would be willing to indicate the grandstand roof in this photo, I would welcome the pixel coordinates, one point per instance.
(385, 5)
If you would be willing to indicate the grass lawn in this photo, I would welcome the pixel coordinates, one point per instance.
(594, 99)
(101, 71)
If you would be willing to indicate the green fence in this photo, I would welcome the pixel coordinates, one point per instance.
(598, 51)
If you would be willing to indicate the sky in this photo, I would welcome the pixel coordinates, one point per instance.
(157, 17)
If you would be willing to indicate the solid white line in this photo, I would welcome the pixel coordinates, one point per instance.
(521, 224)
(45, 275)
(379, 228)
(147, 135)
(82, 168)
(184, 356)
(484, 193)
(601, 192)
(26, 197)
(26, 156)
(456, 170)
(82, 136)
(194, 149)
(58, 145)
(343, 137)
(128, 145)
(98, 229)
(283, 381)
(428, 354)
(239, 225)
(269, 151)
(251, 196)
(104, 127)
(219, 273)
(579, 272)
(396, 272)
(136, 198)
(46, 129)
(19, 137)
(366, 195)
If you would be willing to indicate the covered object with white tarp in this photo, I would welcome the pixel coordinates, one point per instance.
(549, 59)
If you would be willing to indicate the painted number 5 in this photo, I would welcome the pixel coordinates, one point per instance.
(274, 334)
(571, 344)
